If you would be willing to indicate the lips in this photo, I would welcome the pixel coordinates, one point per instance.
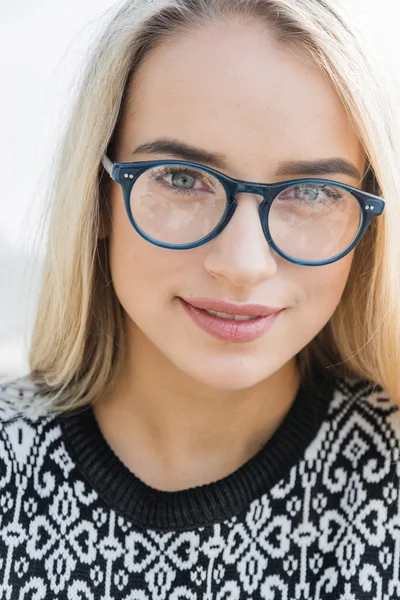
(231, 330)
(231, 308)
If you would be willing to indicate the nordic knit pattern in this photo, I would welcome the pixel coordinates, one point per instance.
(327, 529)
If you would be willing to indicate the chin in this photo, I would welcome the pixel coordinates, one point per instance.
(234, 378)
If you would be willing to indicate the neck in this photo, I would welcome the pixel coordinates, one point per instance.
(175, 433)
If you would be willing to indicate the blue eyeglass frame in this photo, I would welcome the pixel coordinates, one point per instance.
(126, 174)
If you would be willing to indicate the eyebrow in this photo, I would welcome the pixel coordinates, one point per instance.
(218, 161)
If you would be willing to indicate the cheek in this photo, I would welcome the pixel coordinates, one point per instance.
(321, 291)
(143, 275)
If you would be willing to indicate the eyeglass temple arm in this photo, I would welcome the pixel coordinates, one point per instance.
(107, 164)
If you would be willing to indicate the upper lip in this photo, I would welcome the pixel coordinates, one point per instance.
(230, 308)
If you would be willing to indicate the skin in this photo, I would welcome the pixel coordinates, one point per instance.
(188, 409)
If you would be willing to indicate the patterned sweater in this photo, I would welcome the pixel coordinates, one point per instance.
(315, 514)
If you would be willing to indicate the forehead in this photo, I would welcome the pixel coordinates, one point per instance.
(234, 90)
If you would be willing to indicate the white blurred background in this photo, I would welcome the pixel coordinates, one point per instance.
(42, 46)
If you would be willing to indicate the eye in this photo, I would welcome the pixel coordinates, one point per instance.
(181, 179)
(312, 193)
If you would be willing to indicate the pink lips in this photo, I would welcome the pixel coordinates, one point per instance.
(230, 330)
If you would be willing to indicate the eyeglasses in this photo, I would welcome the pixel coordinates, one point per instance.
(181, 205)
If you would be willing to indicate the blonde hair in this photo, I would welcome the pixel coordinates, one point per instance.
(78, 337)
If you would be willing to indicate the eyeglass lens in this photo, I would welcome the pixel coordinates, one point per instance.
(178, 205)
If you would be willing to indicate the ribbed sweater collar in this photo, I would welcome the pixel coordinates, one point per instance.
(150, 508)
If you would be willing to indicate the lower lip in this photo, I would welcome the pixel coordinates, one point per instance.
(229, 330)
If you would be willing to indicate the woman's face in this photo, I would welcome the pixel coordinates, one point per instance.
(229, 90)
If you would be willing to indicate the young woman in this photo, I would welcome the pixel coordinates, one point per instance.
(212, 408)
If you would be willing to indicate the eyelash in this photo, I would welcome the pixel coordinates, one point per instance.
(160, 173)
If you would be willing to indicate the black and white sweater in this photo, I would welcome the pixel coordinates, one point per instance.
(315, 514)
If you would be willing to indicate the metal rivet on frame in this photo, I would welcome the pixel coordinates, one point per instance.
(126, 175)
(130, 176)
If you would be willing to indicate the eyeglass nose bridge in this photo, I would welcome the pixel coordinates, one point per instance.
(251, 188)
(254, 188)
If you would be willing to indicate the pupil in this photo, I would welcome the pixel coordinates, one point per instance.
(182, 180)
(308, 193)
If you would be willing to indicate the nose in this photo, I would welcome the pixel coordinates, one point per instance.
(240, 253)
